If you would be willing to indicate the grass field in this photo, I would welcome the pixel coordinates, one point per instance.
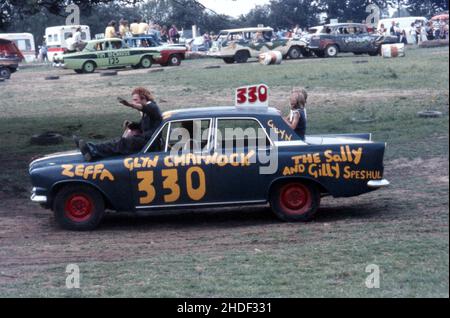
(245, 251)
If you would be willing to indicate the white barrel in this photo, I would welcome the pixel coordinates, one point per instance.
(270, 58)
(393, 50)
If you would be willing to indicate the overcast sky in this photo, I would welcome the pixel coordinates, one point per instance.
(232, 7)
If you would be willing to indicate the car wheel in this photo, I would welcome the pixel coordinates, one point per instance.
(331, 51)
(241, 57)
(295, 53)
(146, 62)
(174, 60)
(5, 73)
(295, 201)
(78, 208)
(89, 67)
(228, 60)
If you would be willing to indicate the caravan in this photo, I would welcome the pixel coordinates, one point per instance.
(24, 42)
(56, 38)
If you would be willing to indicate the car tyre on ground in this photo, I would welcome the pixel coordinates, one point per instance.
(146, 62)
(295, 201)
(78, 208)
(89, 67)
(5, 73)
(331, 51)
(228, 60)
(79, 71)
(241, 57)
(295, 53)
(174, 60)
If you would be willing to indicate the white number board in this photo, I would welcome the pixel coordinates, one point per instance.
(254, 95)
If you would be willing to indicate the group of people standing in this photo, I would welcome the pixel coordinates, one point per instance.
(418, 30)
(141, 27)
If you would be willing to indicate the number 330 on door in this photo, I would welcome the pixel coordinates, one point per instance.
(146, 180)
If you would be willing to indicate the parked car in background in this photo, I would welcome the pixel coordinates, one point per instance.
(56, 37)
(171, 54)
(24, 42)
(108, 53)
(10, 57)
(331, 39)
(238, 45)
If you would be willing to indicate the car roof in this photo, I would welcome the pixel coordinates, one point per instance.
(343, 24)
(104, 40)
(219, 111)
(262, 29)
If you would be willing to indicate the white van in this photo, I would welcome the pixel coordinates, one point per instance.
(56, 38)
(25, 43)
(405, 24)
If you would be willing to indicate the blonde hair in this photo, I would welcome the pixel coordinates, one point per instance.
(302, 91)
(299, 98)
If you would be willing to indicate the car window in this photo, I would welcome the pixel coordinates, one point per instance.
(240, 133)
(115, 45)
(159, 143)
(66, 35)
(99, 46)
(189, 135)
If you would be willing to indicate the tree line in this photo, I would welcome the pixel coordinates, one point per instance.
(35, 15)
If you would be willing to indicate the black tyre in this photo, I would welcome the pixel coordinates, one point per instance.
(331, 51)
(174, 60)
(5, 73)
(295, 53)
(45, 139)
(78, 208)
(79, 71)
(89, 67)
(146, 62)
(295, 201)
(241, 57)
(228, 60)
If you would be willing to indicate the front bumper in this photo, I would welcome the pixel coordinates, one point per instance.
(38, 198)
(377, 184)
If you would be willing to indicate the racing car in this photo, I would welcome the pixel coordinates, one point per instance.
(211, 168)
(330, 39)
(107, 53)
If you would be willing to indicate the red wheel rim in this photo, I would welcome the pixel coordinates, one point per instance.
(295, 198)
(79, 207)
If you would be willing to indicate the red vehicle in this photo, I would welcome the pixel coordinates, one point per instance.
(10, 56)
(171, 54)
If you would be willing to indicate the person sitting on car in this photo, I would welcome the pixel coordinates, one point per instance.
(297, 117)
(136, 135)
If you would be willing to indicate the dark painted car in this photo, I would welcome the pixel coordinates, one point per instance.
(10, 57)
(330, 39)
(219, 162)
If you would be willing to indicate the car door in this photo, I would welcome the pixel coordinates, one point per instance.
(116, 54)
(172, 172)
(238, 144)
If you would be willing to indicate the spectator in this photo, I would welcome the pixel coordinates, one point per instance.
(110, 31)
(123, 28)
(134, 27)
(382, 30)
(174, 36)
(207, 40)
(143, 28)
(429, 31)
(404, 38)
(164, 34)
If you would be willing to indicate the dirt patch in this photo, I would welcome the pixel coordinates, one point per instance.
(30, 237)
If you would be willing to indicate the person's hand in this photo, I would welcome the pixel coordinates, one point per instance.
(125, 124)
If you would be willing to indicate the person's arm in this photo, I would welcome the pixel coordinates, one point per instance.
(294, 122)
